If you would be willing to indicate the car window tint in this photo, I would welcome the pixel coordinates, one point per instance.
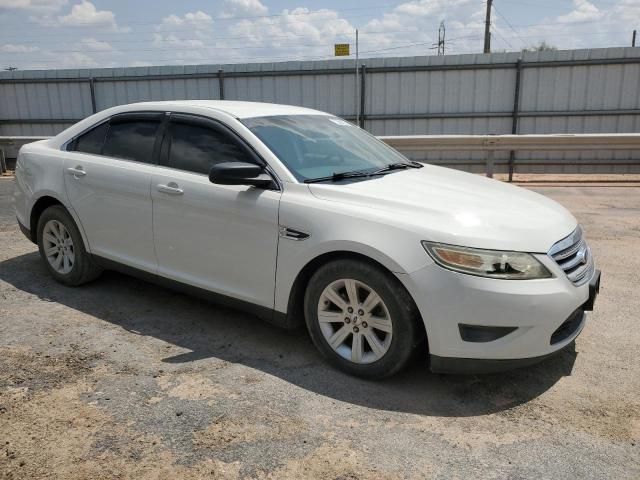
(131, 140)
(92, 141)
(196, 149)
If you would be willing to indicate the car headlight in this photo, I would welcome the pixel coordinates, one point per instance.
(487, 263)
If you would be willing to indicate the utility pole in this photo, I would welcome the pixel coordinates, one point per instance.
(441, 35)
(487, 28)
(357, 83)
(633, 39)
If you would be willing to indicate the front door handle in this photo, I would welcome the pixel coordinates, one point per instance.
(76, 172)
(171, 188)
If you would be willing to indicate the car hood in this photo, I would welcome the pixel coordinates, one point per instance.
(449, 206)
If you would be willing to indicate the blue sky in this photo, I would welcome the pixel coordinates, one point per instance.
(94, 33)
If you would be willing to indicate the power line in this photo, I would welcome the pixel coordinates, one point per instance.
(165, 48)
(538, 3)
(215, 46)
(227, 60)
(296, 58)
(345, 34)
(239, 37)
(507, 22)
(509, 44)
(218, 46)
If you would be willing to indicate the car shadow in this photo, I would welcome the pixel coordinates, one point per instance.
(205, 330)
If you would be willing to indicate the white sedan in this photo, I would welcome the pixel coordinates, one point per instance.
(302, 217)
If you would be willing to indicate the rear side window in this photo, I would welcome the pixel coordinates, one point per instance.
(196, 148)
(91, 141)
(132, 140)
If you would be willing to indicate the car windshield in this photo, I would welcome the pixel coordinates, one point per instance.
(316, 146)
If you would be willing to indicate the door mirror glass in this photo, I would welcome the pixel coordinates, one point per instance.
(240, 173)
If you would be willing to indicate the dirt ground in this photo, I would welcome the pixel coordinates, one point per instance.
(126, 380)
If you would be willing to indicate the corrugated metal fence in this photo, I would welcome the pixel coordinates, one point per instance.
(575, 91)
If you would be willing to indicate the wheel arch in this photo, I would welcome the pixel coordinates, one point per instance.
(41, 204)
(295, 304)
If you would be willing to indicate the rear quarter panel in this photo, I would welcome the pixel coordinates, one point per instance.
(40, 173)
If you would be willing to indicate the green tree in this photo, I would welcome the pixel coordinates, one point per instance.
(541, 47)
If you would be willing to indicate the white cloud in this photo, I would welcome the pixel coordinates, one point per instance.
(48, 60)
(13, 48)
(94, 45)
(583, 11)
(88, 58)
(175, 34)
(405, 25)
(172, 40)
(233, 8)
(197, 19)
(423, 8)
(42, 5)
(85, 14)
(79, 60)
(584, 26)
(141, 63)
(298, 31)
(302, 33)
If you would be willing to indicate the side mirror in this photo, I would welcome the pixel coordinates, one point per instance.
(240, 173)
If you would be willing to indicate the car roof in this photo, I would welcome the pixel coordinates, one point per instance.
(234, 108)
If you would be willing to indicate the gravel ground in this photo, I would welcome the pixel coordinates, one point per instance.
(123, 379)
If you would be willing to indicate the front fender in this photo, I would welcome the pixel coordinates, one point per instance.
(331, 230)
(290, 265)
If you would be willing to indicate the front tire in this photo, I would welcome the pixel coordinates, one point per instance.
(62, 249)
(361, 318)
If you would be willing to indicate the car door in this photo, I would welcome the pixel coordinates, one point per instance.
(222, 238)
(108, 183)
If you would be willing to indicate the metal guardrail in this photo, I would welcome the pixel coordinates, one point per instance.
(490, 144)
(512, 143)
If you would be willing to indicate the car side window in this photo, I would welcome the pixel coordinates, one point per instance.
(131, 140)
(91, 141)
(196, 148)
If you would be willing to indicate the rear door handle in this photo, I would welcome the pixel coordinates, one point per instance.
(171, 188)
(76, 172)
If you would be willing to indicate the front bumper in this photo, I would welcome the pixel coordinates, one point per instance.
(536, 308)
(472, 366)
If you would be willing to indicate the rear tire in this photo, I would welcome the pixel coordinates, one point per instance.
(361, 319)
(62, 249)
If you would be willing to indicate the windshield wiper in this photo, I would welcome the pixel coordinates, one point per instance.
(398, 166)
(358, 174)
(339, 176)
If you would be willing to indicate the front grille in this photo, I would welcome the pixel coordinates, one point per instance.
(573, 255)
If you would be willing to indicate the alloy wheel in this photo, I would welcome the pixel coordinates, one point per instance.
(58, 247)
(355, 321)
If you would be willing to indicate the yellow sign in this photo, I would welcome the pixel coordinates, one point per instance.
(342, 49)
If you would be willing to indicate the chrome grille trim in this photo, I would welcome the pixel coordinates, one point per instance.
(573, 256)
(569, 251)
(573, 260)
